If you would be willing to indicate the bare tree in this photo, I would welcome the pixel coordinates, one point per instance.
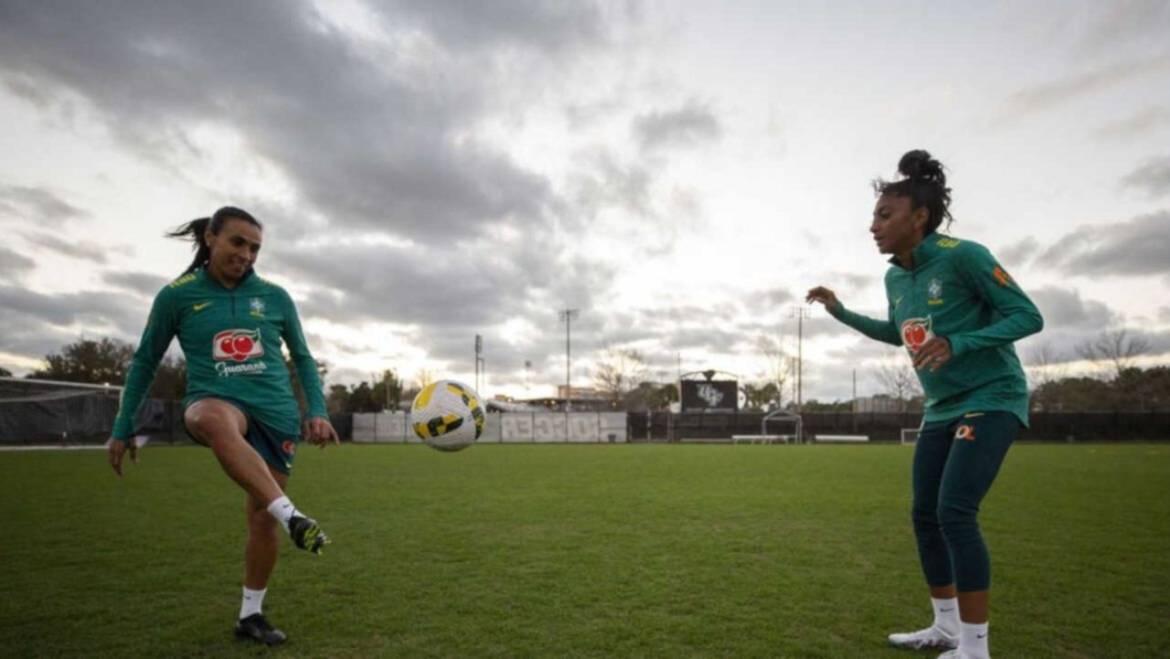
(423, 377)
(1116, 348)
(778, 366)
(1045, 364)
(619, 371)
(897, 377)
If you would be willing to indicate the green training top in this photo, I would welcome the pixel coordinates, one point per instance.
(957, 291)
(232, 341)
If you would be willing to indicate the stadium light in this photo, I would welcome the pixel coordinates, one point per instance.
(567, 316)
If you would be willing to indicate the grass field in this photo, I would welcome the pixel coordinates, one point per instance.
(643, 550)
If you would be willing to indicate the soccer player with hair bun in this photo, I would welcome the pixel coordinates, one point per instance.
(957, 312)
(231, 325)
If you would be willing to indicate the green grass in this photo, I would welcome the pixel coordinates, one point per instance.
(796, 551)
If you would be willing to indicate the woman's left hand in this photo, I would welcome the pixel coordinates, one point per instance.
(934, 353)
(319, 432)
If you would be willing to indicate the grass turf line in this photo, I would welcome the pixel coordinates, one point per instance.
(649, 550)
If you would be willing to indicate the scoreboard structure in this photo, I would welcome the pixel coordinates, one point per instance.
(702, 391)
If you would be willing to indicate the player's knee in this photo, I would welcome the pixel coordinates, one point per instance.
(957, 521)
(206, 424)
(925, 517)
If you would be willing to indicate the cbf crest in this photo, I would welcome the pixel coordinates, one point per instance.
(934, 291)
(257, 307)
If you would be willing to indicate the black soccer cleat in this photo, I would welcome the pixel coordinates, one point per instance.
(306, 534)
(257, 628)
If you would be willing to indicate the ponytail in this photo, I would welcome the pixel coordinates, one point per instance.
(196, 229)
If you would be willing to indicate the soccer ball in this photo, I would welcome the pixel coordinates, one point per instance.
(447, 415)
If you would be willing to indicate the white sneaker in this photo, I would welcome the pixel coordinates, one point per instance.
(923, 639)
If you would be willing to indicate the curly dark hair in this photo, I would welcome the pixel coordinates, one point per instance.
(925, 183)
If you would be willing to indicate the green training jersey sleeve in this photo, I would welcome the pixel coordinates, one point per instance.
(298, 350)
(156, 338)
(885, 331)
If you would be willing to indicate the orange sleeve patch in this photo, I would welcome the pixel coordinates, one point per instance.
(1001, 276)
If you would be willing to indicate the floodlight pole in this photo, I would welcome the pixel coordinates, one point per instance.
(801, 313)
(479, 359)
(567, 315)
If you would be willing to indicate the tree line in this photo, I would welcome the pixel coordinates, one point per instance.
(623, 377)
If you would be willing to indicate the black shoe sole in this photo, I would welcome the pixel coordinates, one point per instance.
(246, 636)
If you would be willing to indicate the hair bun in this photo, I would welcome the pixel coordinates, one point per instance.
(918, 164)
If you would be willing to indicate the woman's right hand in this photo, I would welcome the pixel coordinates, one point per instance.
(824, 296)
(117, 448)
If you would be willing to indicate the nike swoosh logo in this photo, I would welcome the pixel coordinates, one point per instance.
(202, 305)
(945, 610)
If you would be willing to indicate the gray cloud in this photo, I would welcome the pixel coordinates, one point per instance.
(1139, 124)
(94, 309)
(546, 27)
(35, 205)
(71, 248)
(1136, 247)
(1128, 23)
(1164, 314)
(462, 293)
(602, 182)
(1052, 94)
(688, 125)
(1064, 308)
(1019, 253)
(1153, 177)
(13, 264)
(371, 138)
(144, 283)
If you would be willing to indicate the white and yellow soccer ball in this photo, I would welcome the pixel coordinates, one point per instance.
(447, 415)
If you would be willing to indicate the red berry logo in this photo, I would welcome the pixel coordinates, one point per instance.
(237, 345)
(242, 345)
(915, 332)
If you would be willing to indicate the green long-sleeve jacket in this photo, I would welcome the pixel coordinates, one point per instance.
(232, 341)
(957, 290)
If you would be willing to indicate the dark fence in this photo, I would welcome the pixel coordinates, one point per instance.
(887, 427)
(88, 419)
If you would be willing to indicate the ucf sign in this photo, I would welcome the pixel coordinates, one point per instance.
(709, 396)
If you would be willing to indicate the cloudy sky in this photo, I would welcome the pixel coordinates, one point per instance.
(680, 172)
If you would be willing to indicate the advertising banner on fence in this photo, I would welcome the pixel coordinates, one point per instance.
(508, 428)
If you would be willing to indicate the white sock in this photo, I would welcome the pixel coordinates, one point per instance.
(253, 600)
(282, 509)
(973, 641)
(946, 614)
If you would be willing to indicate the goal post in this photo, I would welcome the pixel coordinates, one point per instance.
(910, 435)
(47, 411)
(784, 426)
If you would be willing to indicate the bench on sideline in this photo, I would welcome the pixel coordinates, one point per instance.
(761, 439)
(842, 438)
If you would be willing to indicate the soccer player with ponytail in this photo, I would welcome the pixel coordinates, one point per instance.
(957, 312)
(231, 325)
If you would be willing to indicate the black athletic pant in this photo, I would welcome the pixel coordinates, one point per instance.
(955, 462)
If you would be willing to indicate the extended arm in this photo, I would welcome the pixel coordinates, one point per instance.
(160, 329)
